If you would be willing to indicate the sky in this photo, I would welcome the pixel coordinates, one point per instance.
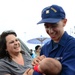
(22, 17)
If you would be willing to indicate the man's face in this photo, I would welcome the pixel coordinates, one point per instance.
(55, 30)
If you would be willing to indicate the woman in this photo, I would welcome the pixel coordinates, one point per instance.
(13, 60)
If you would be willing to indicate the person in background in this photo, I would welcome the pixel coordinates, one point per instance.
(62, 45)
(37, 50)
(13, 60)
(32, 53)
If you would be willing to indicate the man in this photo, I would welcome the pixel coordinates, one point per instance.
(62, 45)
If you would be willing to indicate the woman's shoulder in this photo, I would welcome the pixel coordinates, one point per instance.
(3, 62)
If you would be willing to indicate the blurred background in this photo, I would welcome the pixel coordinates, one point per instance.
(22, 16)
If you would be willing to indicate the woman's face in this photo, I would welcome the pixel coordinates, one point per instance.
(55, 30)
(12, 44)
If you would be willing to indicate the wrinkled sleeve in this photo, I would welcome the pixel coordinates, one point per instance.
(68, 62)
(4, 70)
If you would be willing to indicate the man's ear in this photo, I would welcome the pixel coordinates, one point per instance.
(64, 21)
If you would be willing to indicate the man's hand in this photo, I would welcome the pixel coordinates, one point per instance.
(37, 60)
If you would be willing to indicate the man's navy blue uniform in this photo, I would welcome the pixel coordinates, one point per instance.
(64, 51)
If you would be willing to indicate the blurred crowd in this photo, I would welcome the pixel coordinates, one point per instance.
(36, 52)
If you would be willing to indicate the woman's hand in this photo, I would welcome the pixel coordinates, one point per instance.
(37, 60)
(26, 72)
(29, 72)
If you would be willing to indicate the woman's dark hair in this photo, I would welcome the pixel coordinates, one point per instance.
(3, 52)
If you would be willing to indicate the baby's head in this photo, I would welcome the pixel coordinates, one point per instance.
(50, 66)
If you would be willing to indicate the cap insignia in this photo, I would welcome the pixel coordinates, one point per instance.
(47, 11)
(53, 9)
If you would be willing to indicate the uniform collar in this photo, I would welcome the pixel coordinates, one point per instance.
(63, 39)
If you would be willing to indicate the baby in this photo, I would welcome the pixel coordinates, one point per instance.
(49, 66)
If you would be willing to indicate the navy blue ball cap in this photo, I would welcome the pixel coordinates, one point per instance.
(52, 14)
